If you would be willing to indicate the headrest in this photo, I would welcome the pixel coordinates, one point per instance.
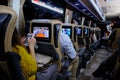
(7, 25)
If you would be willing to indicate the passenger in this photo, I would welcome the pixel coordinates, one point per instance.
(28, 60)
(110, 68)
(81, 51)
(93, 37)
(67, 47)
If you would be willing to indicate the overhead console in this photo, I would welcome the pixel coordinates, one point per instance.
(95, 7)
(89, 8)
(48, 5)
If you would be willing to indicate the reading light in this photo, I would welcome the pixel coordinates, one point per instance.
(77, 4)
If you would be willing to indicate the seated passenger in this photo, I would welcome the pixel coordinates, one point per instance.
(28, 60)
(109, 69)
(81, 52)
(68, 49)
(93, 37)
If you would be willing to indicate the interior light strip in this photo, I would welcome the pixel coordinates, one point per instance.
(98, 10)
(48, 7)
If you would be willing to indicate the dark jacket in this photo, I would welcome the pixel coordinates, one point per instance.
(107, 68)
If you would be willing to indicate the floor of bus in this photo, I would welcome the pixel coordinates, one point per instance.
(99, 56)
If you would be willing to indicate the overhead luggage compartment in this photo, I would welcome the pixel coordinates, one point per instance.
(90, 8)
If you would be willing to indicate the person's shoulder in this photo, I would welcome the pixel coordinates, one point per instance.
(19, 46)
(65, 35)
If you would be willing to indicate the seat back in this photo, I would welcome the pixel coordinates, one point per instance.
(80, 33)
(49, 43)
(74, 37)
(7, 63)
(116, 71)
(86, 36)
(7, 23)
(115, 38)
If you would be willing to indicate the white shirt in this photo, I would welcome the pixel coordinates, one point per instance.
(67, 45)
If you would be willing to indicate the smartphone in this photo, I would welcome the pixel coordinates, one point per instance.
(26, 40)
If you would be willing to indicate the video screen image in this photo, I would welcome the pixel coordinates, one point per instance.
(79, 31)
(66, 31)
(41, 32)
(86, 31)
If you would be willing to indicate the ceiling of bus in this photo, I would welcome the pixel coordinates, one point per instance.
(110, 7)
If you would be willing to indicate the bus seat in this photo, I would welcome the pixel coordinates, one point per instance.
(75, 36)
(115, 38)
(47, 46)
(116, 70)
(7, 25)
(13, 61)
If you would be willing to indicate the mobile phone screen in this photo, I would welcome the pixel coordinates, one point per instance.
(26, 40)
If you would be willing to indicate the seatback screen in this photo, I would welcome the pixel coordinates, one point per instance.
(67, 30)
(86, 32)
(42, 31)
(79, 31)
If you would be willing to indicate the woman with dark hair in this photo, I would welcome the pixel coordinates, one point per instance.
(28, 61)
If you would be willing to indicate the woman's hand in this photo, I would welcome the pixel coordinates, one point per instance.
(31, 41)
(31, 44)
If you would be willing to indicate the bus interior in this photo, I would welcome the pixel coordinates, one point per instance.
(91, 25)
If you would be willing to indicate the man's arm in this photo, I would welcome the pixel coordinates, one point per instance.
(68, 45)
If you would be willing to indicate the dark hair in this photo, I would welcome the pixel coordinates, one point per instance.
(16, 38)
(60, 18)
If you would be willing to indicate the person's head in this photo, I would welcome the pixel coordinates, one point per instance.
(42, 30)
(60, 18)
(16, 38)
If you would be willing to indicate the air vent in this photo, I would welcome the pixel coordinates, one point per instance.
(104, 10)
